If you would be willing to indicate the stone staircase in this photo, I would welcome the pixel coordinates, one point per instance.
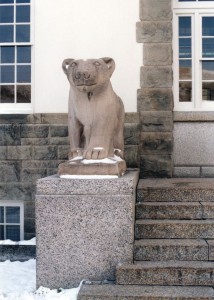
(174, 245)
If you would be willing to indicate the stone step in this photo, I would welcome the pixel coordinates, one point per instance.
(167, 273)
(175, 189)
(134, 292)
(169, 210)
(166, 249)
(173, 229)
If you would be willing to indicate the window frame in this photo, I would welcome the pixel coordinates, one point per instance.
(21, 224)
(196, 13)
(22, 108)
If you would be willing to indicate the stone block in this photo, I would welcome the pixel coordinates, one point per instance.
(3, 152)
(207, 172)
(10, 135)
(156, 142)
(211, 249)
(170, 249)
(34, 141)
(52, 171)
(34, 131)
(164, 273)
(156, 121)
(156, 77)
(58, 118)
(20, 119)
(193, 116)
(186, 172)
(63, 152)
(144, 292)
(89, 221)
(154, 32)
(132, 134)
(32, 174)
(131, 156)
(29, 209)
(155, 10)
(19, 152)
(169, 210)
(17, 252)
(156, 166)
(155, 99)
(45, 152)
(208, 210)
(29, 225)
(58, 131)
(40, 164)
(16, 191)
(10, 171)
(59, 141)
(157, 54)
(132, 117)
(173, 229)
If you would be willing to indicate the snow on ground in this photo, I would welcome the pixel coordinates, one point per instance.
(18, 282)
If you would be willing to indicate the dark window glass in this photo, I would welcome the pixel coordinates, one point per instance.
(6, 14)
(13, 232)
(22, 33)
(185, 49)
(208, 26)
(23, 94)
(208, 47)
(23, 54)
(7, 55)
(208, 91)
(185, 69)
(185, 91)
(1, 214)
(184, 26)
(6, 74)
(6, 1)
(207, 70)
(23, 14)
(6, 33)
(6, 93)
(22, 1)
(1, 232)
(12, 214)
(23, 74)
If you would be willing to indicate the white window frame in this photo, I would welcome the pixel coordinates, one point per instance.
(196, 10)
(15, 204)
(22, 108)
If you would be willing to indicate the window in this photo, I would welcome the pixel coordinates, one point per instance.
(15, 55)
(11, 221)
(194, 55)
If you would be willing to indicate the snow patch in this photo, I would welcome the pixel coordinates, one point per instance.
(21, 243)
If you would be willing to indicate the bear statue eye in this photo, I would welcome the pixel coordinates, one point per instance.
(97, 63)
(73, 64)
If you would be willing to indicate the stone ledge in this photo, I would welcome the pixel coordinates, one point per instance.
(194, 116)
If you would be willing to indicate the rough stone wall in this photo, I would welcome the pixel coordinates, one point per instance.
(155, 99)
(32, 146)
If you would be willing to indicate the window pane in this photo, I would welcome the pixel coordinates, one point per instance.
(6, 93)
(6, 14)
(23, 33)
(1, 232)
(23, 74)
(208, 47)
(1, 214)
(22, 1)
(6, 1)
(208, 70)
(208, 26)
(184, 26)
(7, 55)
(23, 54)
(185, 69)
(208, 91)
(6, 74)
(23, 14)
(13, 232)
(13, 214)
(185, 91)
(23, 94)
(6, 33)
(185, 50)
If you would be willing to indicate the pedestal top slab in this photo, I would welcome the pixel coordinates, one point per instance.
(54, 185)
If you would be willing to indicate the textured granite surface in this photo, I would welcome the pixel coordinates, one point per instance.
(84, 228)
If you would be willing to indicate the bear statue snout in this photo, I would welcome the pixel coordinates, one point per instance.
(82, 75)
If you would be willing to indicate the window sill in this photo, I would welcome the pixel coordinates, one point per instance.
(194, 116)
(16, 108)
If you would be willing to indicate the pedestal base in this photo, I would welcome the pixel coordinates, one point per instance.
(85, 227)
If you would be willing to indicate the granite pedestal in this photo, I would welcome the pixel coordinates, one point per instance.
(84, 228)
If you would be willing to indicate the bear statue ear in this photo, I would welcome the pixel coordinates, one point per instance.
(66, 63)
(110, 63)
